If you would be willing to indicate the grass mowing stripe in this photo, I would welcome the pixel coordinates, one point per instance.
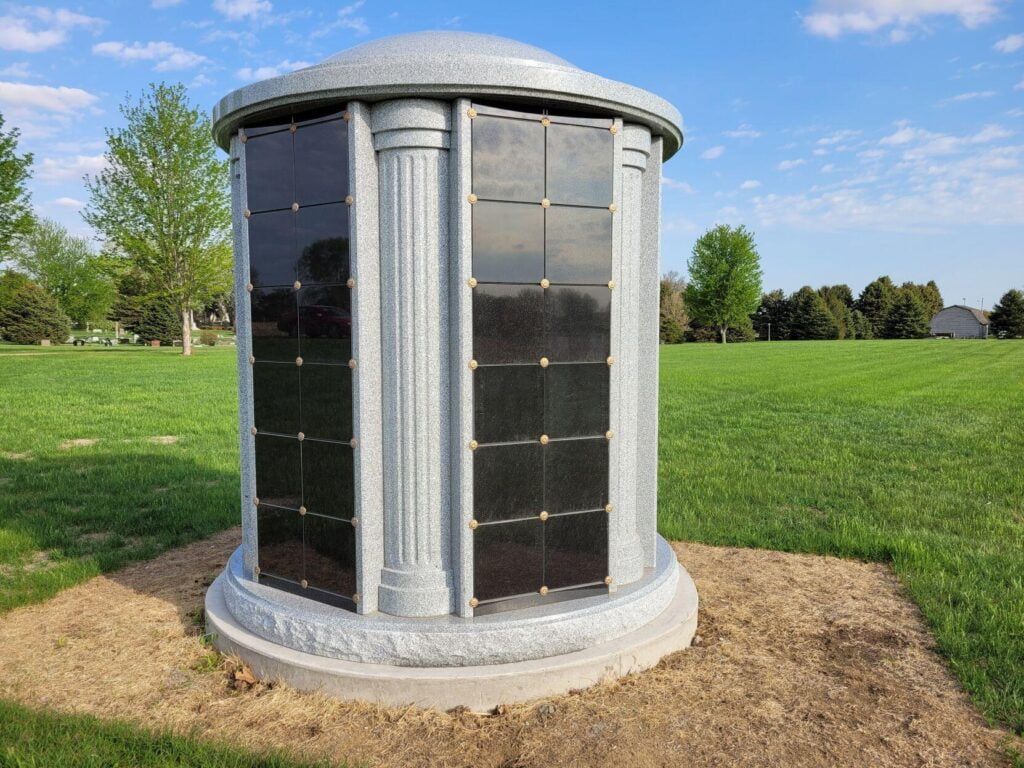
(908, 452)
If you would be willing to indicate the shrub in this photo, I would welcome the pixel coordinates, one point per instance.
(33, 315)
(208, 338)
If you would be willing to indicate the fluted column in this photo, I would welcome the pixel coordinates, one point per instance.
(629, 562)
(411, 137)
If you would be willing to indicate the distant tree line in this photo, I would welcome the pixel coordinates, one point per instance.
(722, 301)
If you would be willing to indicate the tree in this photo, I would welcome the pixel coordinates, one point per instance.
(839, 300)
(1007, 318)
(928, 294)
(674, 318)
(725, 278)
(162, 201)
(908, 318)
(159, 320)
(10, 283)
(34, 315)
(772, 318)
(860, 327)
(810, 317)
(15, 209)
(66, 268)
(874, 302)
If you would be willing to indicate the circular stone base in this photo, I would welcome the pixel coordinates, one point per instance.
(480, 686)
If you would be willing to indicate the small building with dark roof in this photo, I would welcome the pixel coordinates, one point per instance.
(960, 322)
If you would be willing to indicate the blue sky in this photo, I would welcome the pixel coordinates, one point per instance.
(854, 137)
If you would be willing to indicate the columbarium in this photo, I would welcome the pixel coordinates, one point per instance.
(447, 283)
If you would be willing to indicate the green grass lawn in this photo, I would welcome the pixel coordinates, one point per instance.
(903, 452)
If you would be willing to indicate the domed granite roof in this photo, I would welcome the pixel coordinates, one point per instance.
(447, 65)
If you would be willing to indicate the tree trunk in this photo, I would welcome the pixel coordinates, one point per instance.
(724, 329)
(186, 332)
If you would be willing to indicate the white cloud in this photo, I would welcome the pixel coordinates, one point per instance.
(837, 137)
(750, 184)
(819, 152)
(834, 18)
(18, 70)
(682, 186)
(34, 28)
(69, 202)
(235, 10)
(168, 57)
(1009, 44)
(263, 73)
(1019, 86)
(165, 3)
(60, 99)
(67, 168)
(969, 96)
(787, 165)
(713, 153)
(1015, 112)
(347, 19)
(919, 143)
(828, 168)
(872, 154)
(743, 132)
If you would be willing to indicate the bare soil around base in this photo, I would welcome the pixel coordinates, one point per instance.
(800, 661)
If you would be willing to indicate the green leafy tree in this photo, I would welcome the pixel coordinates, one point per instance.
(33, 315)
(908, 318)
(66, 268)
(674, 318)
(931, 296)
(725, 279)
(874, 302)
(810, 317)
(10, 283)
(1007, 318)
(15, 208)
(162, 201)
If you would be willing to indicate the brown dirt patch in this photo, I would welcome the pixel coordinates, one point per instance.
(163, 439)
(801, 661)
(13, 456)
(79, 442)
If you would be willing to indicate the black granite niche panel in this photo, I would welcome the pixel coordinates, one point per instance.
(297, 182)
(541, 353)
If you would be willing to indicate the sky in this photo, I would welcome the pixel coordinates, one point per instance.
(855, 138)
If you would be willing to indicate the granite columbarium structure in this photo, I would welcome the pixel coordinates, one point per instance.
(446, 266)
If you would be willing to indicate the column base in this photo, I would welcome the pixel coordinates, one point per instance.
(479, 687)
(419, 594)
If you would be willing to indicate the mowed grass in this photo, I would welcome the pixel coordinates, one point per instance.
(904, 452)
(109, 455)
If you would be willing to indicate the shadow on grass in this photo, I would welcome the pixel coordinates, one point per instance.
(66, 518)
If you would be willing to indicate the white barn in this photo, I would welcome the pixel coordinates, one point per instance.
(960, 322)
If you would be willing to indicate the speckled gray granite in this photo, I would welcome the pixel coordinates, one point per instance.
(449, 641)
(448, 65)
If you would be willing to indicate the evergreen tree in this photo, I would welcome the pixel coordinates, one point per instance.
(908, 318)
(860, 327)
(773, 316)
(932, 298)
(810, 317)
(725, 279)
(874, 302)
(1007, 318)
(10, 283)
(158, 319)
(33, 315)
(839, 299)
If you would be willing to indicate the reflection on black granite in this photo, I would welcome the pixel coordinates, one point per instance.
(269, 180)
(576, 400)
(327, 478)
(326, 410)
(272, 248)
(330, 554)
(576, 475)
(321, 237)
(508, 159)
(278, 471)
(579, 165)
(508, 242)
(575, 549)
(508, 481)
(578, 245)
(325, 324)
(279, 542)
(275, 397)
(272, 315)
(508, 403)
(508, 559)
(321, 163)
(508, 323)
(578, 323)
